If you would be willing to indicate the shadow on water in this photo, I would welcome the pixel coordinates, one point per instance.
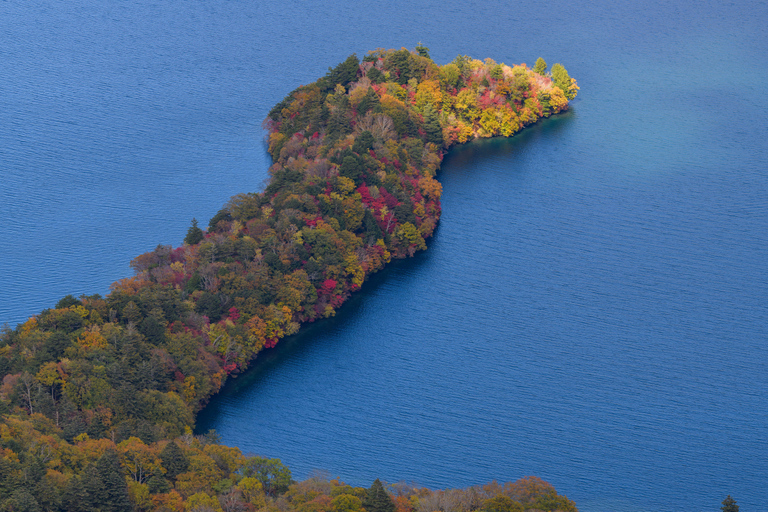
(288, 348)
(500, 147)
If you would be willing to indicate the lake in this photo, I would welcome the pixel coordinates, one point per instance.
(592, 309)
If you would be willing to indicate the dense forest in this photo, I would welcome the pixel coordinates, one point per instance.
(99, 394)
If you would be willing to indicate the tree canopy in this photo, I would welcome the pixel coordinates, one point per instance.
(98, 395)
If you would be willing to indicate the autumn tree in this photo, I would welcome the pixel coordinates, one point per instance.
(273, 475)
(540, 67)
(501, 503)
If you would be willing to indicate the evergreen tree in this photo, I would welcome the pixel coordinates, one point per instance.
(423, 50)
(363, 143)
(432, 126)
(20, 501)
(342, 74)
(174, 460)
(729, 505)
(563, 81)
(375, 76)
(399, 64)
(109, 491)
(158, 485)
(378, 499)
(75, 496)
(350, 168)
(540, 67)
(194, 234)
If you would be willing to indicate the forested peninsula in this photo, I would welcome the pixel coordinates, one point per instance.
(99, 394)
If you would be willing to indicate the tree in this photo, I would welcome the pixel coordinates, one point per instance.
(106, 485)
(347, 503)
(274, 476)
(22, 501)
(729, 505)
(363, 142)
(174, 461)
(67, 301)
(450, 76)
(399, 63)
(344, 73)
(501, 503)
(563, 81)
(139, 460)
(432, 125)
(378, 499)
(423, 51)
(194, 234)
(540, 67)
(350, 168)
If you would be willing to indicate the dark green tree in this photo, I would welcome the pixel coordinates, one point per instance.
(540, 67)
(75, 496)
(67, 301)
(105, 484)
(221, 215)
(729, 505)
(194, 234)
(20, 501)
(378, 499)
(363, 143)
(343, 74)
(399, 64)
(375, 76)
(432, 126)
(423, 50)
(210, 305)
(174, 460)
(158, 485)
(350, 167)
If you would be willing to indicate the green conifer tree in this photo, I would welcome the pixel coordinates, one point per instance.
(729, 505)
(432, 126)
(378, 499)
(540, 67)
(563, 81)
(423, 50)
(111, 489)
(22, 501)
(194, 234)
(174, 460)
(75, 496)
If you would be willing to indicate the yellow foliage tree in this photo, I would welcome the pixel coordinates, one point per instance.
(252, 491)
(428, 92)
(92, 340)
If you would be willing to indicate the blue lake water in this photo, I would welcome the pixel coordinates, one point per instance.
(592, 309)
